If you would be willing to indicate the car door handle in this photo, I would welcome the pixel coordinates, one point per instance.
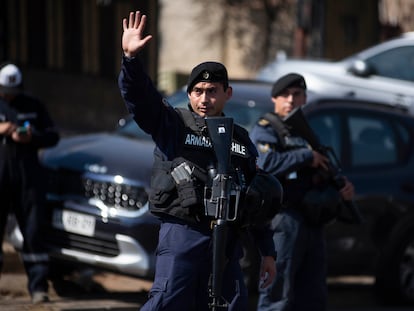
(401, 101)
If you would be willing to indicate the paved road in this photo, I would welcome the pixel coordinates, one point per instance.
(106, 291)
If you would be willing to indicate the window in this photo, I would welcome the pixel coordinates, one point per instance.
(373, 141)
(396, 63)
(327, 128)
(362, 139)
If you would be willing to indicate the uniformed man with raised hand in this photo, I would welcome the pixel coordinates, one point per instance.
(183, 148)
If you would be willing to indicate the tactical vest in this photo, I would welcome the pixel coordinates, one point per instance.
(184, 199)
(320, 203)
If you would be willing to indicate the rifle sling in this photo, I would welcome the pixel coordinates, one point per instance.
(278, 125)
(190, 121)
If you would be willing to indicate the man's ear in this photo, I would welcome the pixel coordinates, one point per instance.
(229, 92)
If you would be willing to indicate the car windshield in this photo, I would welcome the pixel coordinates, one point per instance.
(243, 109)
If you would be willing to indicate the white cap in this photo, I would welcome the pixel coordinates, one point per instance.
(10, 78)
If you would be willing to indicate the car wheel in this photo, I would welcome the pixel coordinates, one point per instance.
(395, 274)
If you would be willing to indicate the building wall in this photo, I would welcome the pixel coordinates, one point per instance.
(397, 13)
(331, 29)
(188, 37)
(351, 25)
(70, 52)
(192, 32)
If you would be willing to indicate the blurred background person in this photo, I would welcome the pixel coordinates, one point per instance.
(25, 127)
(310, 202)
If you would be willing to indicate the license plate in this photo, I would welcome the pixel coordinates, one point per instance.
(74, 222)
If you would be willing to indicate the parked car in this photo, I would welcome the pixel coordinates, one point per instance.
(384, 72)
(375, 145)
(98, 203)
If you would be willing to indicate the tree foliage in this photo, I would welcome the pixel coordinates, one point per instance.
(257, 26)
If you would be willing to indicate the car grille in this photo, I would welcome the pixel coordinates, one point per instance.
(104, 246)
(126, 195)
(113, 191)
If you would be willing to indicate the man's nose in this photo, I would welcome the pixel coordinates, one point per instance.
(289, 98)
(204, 95)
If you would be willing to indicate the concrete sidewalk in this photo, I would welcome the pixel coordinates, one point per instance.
(103, 291)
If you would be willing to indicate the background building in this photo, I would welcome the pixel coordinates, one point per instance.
(70, 50)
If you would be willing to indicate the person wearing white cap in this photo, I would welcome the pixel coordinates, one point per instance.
(25, 127)
(11, 80)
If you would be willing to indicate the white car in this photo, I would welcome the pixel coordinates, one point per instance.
(384, 72)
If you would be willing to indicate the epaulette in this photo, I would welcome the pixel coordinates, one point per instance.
(278, 125)
(263, 122)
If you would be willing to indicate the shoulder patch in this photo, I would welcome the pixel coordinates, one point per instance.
(165, 102)
(263, 122)
(263, 148)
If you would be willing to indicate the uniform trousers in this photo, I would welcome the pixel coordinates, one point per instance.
(24, 198)
(300, 283)
(183, 267)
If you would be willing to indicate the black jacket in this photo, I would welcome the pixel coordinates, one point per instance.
(168, 130)
(18, 159)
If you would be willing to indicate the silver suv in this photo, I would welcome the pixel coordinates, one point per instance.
(384, 72)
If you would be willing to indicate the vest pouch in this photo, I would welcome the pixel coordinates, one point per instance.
(321, 206)
(263, 199)
(187, 177)
(162, 184)
(187, 194)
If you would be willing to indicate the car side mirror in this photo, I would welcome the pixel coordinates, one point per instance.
(360, 68)
(121, 123)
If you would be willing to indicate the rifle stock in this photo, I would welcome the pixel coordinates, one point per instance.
(217, 203)
(297, 121)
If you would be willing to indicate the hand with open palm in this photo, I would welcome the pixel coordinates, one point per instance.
(133, 39)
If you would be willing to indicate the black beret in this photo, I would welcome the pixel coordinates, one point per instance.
(207, 72)
(289, 80)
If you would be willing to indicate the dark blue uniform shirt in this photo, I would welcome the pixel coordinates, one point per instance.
(156, 117)
(290, 164)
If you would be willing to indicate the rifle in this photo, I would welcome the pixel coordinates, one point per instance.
(296, 121)
(221, 202)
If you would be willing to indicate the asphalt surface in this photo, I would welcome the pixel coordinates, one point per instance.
(105, 291)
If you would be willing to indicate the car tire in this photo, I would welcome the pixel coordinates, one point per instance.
(395, 272)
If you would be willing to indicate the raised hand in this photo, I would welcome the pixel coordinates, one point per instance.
(132, 38)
